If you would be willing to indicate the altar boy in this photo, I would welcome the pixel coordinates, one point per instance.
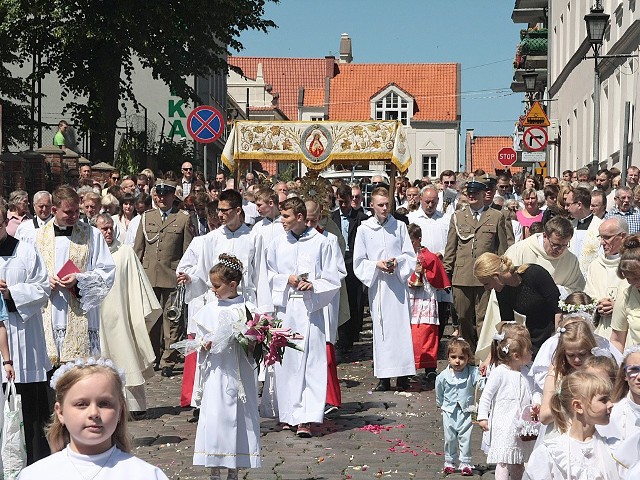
(304, 278)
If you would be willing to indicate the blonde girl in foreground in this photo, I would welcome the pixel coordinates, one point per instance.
(579, 452)
(88, 432)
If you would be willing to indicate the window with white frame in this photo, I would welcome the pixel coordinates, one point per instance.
(430, 166)
(393, 107)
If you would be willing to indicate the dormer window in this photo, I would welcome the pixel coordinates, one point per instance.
(392, 103)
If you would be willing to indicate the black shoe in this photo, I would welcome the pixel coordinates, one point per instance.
(384, 385)
(403, 383)
(167, 372)
(431, 377)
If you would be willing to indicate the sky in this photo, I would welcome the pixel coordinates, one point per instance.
(479, 34)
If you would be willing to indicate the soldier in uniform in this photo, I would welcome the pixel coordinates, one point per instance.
(473, 230)
(162, 238)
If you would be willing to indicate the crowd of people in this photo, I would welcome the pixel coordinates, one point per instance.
(537, 277)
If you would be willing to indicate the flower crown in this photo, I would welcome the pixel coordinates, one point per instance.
(590, 308)
(82, 363)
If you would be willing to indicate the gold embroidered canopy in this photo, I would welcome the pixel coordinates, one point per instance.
(317, 144)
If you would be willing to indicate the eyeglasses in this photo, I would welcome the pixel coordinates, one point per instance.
(504, 186)
(606, 238)
(449, 182)
(632, 371)
(187, 169)
(223, 210)
(557, 246)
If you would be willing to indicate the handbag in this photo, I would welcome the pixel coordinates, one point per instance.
(14, 446)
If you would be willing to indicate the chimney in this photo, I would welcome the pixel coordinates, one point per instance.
(345, 48)
(330, 66)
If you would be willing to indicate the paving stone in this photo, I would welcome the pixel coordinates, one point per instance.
(408, 445)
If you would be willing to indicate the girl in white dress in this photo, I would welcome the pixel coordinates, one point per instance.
(625, 416)
(228, 433)
(506, 394)
(579, 452)
(88, 434)
(575, 345)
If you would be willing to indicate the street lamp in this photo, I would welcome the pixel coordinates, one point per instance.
(530, 78)
(597, 22)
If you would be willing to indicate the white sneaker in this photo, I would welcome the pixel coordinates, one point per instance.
(466, 469)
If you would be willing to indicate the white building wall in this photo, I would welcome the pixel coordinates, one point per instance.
(442, 141)
(571, 81)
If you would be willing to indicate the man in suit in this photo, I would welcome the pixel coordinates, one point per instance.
(162, 238)
(473, 230)
(348, 220)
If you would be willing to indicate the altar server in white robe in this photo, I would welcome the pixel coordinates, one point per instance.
(25, 286)
(234, 238)
(332, 312)
(126, 311)
(383, 260)
(189, 375)
(72, 317)
(304, 278)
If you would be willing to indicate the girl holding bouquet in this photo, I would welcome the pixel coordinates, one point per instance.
(228, 433)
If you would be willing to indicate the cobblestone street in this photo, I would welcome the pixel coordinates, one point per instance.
(374, 435)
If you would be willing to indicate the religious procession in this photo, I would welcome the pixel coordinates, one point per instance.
(254, 290)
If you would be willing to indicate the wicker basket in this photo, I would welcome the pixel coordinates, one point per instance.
(528, 426)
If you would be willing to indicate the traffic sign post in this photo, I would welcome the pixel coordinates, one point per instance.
(536, 117)
(507, 156)
(205, 124)
(535, 139)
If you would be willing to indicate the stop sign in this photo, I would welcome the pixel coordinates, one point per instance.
(507, 156)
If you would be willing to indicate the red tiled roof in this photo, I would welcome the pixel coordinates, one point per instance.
(432, 85)
(314, 97)
(286, 75)
(484, 154)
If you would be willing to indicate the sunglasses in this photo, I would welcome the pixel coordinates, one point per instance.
(115, 178)
(187, 169)
(632, 371)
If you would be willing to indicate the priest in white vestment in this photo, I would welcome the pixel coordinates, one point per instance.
(304, 278)
(603, 282)
(129, 307)
(25, 286)
(549, 250)
(383, 260)
(72, 317)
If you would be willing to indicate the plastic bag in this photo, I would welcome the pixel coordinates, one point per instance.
(14, 446)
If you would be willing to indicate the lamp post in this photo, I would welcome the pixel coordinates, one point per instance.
(597, 22)
(530, 78)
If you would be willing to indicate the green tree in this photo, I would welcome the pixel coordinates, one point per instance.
(91, 45)
(14, 92)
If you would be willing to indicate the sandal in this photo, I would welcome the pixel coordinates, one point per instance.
(304, 430)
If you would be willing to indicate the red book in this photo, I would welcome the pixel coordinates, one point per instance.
(68, 268)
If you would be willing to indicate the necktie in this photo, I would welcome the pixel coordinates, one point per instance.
(164, 216)
(476, 216)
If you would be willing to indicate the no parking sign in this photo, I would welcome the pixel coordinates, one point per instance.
(205, 124)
